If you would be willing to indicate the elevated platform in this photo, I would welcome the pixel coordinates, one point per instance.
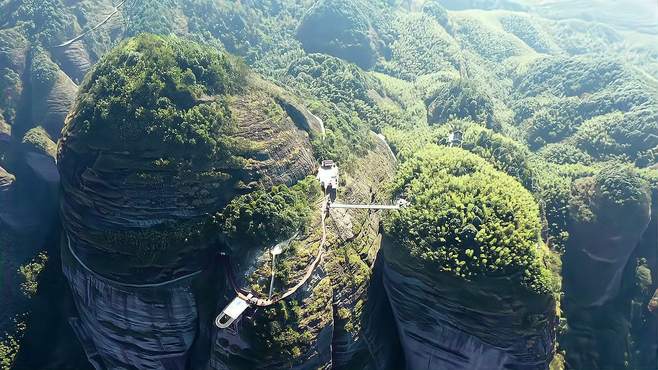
(363, 206)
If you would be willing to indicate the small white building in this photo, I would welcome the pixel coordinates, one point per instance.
(328, 176)
(455, 138)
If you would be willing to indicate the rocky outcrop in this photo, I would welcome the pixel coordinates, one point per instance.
(608, 217)
(74, 60)
(6, 180)
(463, 269)
(604, 233)
(304, 119)
(134, 210)
(445, 323)
(50, 108)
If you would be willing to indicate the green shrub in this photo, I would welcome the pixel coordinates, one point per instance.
(505, 154)
(553, 122)
(462, 99)
(343, 99)
(10, 89)
(562, 153)
(526, 29)
(30, 273)
(594, 136)
(552, 187)
(265, 217)
(10, 344)
(619, 184)
(38, 140)
(616, 195)
(150, 16)
(438, 12)
(160, 93)
(421, 48)
(490, 44)
(570, 76)
(466, 218)
(579, 37)
(45, 20)
(43, 72)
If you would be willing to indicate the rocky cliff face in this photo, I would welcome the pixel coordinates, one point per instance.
(609, 216)
(139, 188)
(135, 247)
(468, 307)
(321, 326)
(445, 323)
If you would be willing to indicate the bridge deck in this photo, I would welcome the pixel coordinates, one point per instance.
(363, 206)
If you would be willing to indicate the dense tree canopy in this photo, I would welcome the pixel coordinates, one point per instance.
(462, 99)
(163, 88)
(467, 218)
(339, 28)
(267, 216)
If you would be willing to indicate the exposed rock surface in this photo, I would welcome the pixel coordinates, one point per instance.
(447, 324)
(610, 213)
(49, 108)
(134, 221)
(601, 245)
(117, 324)
(74, 60)
(323, 325)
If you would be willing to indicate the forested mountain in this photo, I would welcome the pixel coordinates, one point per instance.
(152, 152)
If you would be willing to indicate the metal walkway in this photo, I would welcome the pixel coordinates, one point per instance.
(261, 302)
(82, 35)
(244, 299)
(363, 206)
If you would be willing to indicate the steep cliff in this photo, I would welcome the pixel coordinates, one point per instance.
(549, 101)
(143, 165)
(322, 324)
(610, 213)
(464, 268)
